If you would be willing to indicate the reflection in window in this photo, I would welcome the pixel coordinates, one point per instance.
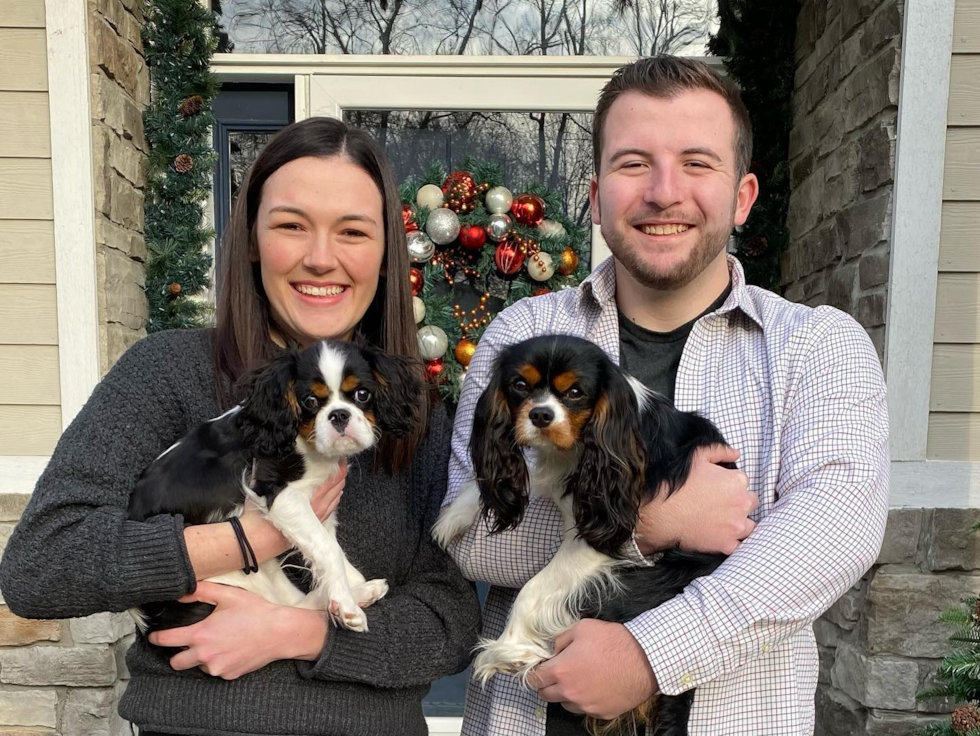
(245, 146)
(498, 27)
(553, 148)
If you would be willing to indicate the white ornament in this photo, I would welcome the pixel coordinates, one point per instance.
(541, 266)
(429, 196)
(418, 309)
(499, 200)
(551, 229)
(420, 248)
(442, 226)
(433, 342)
(498, 227)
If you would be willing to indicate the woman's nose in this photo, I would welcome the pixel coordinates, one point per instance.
(321, 256)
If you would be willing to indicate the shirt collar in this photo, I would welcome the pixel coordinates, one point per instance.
(600, 289)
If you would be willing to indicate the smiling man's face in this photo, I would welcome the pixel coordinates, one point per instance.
(667, 193)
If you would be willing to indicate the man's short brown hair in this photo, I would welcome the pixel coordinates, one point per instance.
(667, 76)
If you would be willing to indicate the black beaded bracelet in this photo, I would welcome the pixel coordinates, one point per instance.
(248, 554)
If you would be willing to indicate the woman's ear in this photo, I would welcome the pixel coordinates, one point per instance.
(269, 418)
(608, 483)
(498, 462)
(400, 390)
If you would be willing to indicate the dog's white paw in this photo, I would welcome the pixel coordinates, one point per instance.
(509, 657)
(348, 615)
(370, 592)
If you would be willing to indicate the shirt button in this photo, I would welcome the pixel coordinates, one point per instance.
(539, 712)
(766, 647)
(687, 679)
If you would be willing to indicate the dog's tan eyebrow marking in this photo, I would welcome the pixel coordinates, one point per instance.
(320, 390)
(530, 374)
(564, 381)
(350, 383)
(291, 397)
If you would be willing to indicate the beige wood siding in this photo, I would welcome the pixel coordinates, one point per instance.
(30, 387)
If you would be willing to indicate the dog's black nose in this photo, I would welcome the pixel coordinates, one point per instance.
(339, 418)
(541, 416)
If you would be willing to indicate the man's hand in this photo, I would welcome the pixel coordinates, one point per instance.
(598, 669)
(709, 513)
(244, 633)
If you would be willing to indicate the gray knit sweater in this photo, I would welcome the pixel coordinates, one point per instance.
(75, 553)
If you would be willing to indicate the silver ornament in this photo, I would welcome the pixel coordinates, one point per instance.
(551, 229)
(541, 266)
(498, 227)
(498, 200)
(429, 196)
(442, 226)
(433, 342)
(420, 248)
(418, 309)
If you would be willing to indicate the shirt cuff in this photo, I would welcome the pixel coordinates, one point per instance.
(631, 552)
(680, 647)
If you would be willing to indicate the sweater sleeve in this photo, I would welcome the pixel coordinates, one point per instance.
(425, 628)
(74, 551)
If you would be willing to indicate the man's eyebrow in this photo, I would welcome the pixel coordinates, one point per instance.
(628, 152)
(699, 151)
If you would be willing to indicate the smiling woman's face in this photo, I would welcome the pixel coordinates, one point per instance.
(320, 231)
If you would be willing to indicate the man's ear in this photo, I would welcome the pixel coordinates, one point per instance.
(594, 201)
(748, 192)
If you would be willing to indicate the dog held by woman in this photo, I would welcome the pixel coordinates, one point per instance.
(305, 411)
(601, 445)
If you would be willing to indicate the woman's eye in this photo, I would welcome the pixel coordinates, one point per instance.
(289, 226)
(311, 402)
(362, 396)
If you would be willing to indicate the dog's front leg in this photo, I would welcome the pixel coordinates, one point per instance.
(292, 514)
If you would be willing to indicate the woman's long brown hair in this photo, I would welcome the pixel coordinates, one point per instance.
(244, 319)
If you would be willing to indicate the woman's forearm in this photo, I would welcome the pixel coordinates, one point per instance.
(213, 548)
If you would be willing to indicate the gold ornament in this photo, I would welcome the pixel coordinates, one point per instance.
(464, 352)
(569, 262)
(173, 290)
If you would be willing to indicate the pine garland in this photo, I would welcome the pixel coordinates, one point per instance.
(439, 296)
(756, 39)
(179, 39)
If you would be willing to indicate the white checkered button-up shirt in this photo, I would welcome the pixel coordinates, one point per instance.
(800, 392)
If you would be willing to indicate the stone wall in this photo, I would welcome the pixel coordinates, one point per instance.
(841, 150)
(881, 643)
(119, 89)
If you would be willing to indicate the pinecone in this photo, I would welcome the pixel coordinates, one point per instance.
(191, 106)
(755, 246)
(966, 719)
(183, 163)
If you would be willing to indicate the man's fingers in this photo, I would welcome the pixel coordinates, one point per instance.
(572, 708)
(542, 676)
(564, 639)
(749, 528)
(753, 502)
(552, 694)
(720, 454)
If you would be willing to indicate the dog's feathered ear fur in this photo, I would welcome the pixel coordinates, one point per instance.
(498, 462)
(269, 419)
(400, 390)
(608, 483)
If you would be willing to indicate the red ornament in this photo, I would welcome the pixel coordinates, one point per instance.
(472, 237)
(541, 292)
(508, 258)
(434, 370)
(408, 217)
(461, 181)
(417, 280)
(528, 209)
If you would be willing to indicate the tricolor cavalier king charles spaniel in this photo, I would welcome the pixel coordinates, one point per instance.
(304, 412)
(602, 445)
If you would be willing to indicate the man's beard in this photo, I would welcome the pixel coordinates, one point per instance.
(707, 247)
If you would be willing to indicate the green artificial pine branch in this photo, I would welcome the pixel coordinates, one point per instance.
(179, 39)
(959, 672)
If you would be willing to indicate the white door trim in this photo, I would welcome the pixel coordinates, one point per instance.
(74, 203)
(920, 148)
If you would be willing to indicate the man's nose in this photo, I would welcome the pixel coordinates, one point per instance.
(662, 188)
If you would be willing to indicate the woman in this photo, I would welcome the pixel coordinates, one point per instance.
(316, 249)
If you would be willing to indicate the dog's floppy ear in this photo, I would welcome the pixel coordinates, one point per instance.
(608, 483)
(400, 390)
(269, 419)
(498, 462)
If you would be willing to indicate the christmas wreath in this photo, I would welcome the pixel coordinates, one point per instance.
(477, 248)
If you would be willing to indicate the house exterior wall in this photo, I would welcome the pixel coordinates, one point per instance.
(30, 413)
(954, 403)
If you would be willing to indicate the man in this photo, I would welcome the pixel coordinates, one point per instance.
(798, 391)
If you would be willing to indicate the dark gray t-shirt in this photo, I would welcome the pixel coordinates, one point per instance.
(653, 357)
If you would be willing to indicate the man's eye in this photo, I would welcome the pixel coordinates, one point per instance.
(362, 396)
(311, 402)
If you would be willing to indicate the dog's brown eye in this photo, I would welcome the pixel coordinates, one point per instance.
(362, 396)
(520, 385)
(311, 402)
(575, 393)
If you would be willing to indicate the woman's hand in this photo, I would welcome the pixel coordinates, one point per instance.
(244, 633)
(709, 513)
(260, 530)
